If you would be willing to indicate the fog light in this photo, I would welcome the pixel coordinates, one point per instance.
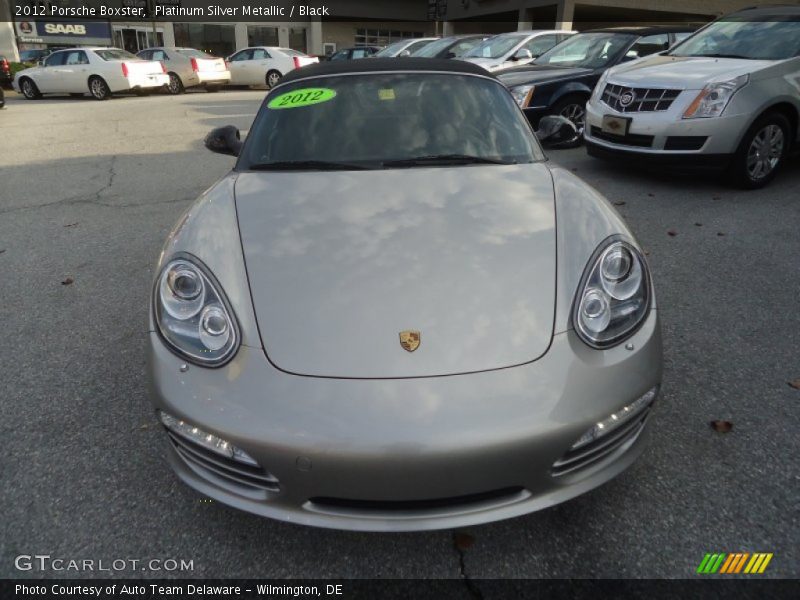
(620, 417)
(205, 439)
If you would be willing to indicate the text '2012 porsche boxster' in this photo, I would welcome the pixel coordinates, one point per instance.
(387, 317)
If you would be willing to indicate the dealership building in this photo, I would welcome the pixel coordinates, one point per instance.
(352, 23)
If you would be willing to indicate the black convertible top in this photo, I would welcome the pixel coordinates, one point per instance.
(378, 65)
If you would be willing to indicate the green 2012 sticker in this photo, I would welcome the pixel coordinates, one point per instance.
(304, 97)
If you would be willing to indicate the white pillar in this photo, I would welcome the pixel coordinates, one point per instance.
(447, 28)
(8, 40)
(524, 20)
(565, 14)
(283, 36)
(314, 37)
(240, 35)
(169, 33)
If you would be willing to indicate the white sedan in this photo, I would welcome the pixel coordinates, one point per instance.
(188, 67)
(99, 71)
(265, 65)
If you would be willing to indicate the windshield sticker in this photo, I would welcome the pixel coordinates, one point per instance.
(386, 94)
(304, 97)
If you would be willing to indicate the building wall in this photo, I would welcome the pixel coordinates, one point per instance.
(8, 46)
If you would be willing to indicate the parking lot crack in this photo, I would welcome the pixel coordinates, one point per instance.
(472, 587)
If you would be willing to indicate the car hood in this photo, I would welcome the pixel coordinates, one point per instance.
(339, 263)
(539, 74)
(486, 63)
(682, 72)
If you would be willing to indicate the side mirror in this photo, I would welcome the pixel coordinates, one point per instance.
(523, 54)
(555, 131)
(450, 55)
(630, 55)
(224, 140)
(404, 53)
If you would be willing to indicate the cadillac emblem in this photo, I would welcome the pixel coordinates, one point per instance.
(410, 339)
(627, 98)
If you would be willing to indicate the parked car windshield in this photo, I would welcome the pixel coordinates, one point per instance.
(434, 48)
(392, 49)
(495, 47)
(587, 50)
(776, 39)
(115, 54)
(366, 121)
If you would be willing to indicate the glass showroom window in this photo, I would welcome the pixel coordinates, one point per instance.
(262, 36)
(381, 37)
(297, 39)
(218, 40)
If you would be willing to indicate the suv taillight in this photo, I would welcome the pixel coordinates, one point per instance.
(296, 62)
(163, 67)
(124, 70)
(195, 68)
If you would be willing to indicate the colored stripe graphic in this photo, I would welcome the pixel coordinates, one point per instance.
(734, 563)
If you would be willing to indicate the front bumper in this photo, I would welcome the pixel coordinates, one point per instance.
(409, 454)
(667, 134)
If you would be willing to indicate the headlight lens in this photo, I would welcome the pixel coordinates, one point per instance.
(713, 98)
(192, 313)
(523, 94)
(614, 296)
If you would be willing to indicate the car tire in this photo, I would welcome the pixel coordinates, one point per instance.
(762, 152)
(211, 89)
(29, 89)
(272, 78)
(98, 88)
(573, 107)
(175, 85)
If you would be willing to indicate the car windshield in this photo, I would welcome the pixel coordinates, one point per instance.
(393, 49)
(388, 120)
(290, 52)
(774, 39)
(192, 53)
(115, 54)
(495, 47)
(587, 50)
(434, 48)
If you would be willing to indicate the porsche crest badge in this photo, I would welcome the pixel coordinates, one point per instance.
(410, 339)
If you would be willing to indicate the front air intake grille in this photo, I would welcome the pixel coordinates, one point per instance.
(601, 447)
(501, 496)
(628, 99)
(685, 142)
(230, 470)
(630, 139)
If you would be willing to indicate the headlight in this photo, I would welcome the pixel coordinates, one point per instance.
(713, 98)
(614, 295)
(523, 94)
(192, 313)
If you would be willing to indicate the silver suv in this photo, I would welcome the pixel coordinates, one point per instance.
(726, 97)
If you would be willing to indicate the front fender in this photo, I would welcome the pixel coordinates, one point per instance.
(573, 87)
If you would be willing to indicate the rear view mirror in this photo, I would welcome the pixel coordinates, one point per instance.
(523, 54)
(556, 131)
(224, 140)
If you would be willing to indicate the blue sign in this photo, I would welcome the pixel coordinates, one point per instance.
(65, 32)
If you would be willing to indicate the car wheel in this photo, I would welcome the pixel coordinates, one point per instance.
(29, 89)
(273, 77)
(98, 88)
(175, 85)
(762, 152)
(574, 109)
(212, 88)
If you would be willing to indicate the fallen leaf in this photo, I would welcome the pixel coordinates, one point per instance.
(719, 233)
(145, 426)
(463, 541)
(721, 426)
(672, 232)
(71, 224)
(619, 203)
(647, 253)
(67, 281)
(795, 383)
(698, 224)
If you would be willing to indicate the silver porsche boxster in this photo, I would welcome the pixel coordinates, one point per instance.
(394, 314)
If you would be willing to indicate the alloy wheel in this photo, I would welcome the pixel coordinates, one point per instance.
(27, 89)
(98, 88)
(765, 152)
(273, 79)
(174, 84)
(577, 114)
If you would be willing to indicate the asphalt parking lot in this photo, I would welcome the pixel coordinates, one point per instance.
(88, 192)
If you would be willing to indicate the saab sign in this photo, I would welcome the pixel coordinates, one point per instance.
(65, 32)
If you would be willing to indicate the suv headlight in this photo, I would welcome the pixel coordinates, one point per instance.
(192, 313)
(713, 98)
(523, 94)
(614, 295)
(598, 89)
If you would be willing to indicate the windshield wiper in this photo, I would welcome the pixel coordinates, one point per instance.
(446, 159)
(715, 56)
(307, 165)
